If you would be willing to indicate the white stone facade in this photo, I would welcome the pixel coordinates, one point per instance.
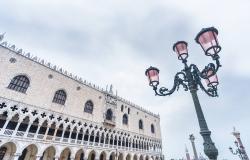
(33, 126)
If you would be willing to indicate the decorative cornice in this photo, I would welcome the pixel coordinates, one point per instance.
(60, 70)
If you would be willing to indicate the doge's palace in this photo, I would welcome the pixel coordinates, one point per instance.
(47, 113)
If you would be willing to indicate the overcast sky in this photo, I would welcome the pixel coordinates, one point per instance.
(113, 42)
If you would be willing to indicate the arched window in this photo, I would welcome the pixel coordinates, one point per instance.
(128, 110)
(88, 108)
(125, 119)
(122, 108)
(152, 128)
(60, 97)
(140, 124)
(19, 83)
(109, 114)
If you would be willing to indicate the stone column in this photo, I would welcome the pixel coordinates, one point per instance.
(27, 130)
(77, 132)
(108, 141)
(187, 154)
(54, 134)
(192, 138)
(99, 142)
(5, 124)
(37, 130)
(82, 138)
(62, 135)
(38, 157)
(70, 133)
(46, 132)
(88, 139)
(16, 156)
(17, 126)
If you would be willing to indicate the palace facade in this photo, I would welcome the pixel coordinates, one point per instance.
(47, 113)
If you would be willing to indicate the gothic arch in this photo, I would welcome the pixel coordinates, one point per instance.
(128, 157)
(11, 149)
(103, 155)
(49, 152)
(66, 154)
(92, 155)
(80, 154)
(29, 152)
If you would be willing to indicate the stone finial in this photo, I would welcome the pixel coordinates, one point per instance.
(12, 47)
(4, 44)
(61, 70)
(42, 62)
(20, 51)
(2, 36)
(28, 55)
(111, 89)
(48, 64)
(35, 58)
(54, 67)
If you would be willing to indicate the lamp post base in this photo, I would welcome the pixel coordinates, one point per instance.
(209, 148)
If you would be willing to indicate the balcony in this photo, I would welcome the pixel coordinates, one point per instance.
(109, 120)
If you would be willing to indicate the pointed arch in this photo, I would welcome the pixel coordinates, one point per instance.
(152, 128)
(109, 114)
(125, 119)
(140, 124)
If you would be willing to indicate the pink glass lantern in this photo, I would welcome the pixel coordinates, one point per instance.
(212, 80)
(153, 76)
(181, 50)
(207, 38)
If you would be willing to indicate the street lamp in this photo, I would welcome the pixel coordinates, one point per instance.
(238, 151)
(190, 79)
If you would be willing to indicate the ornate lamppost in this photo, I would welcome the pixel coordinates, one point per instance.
(190, 79)
(240, 150)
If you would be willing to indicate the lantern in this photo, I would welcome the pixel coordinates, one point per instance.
(181, 50)
(212, 79)
(207, 38)
(153, 76)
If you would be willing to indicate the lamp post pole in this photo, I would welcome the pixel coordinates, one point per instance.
(190, 79)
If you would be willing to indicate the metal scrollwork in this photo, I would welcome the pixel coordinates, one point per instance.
(182, 79)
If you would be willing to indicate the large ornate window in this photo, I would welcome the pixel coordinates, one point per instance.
(60, 97)
(152, 128)
(19, 83)
(89, 107)
(109, 114)
(140, 124)
(125, 119)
